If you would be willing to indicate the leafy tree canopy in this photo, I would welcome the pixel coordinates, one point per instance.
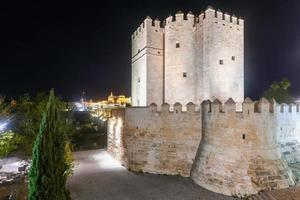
(279, 91)
(29, 111)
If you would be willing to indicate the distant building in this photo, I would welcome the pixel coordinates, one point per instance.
(119, 100)
(112, 102)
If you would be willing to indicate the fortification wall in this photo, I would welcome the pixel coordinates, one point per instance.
(156, 140)
(288, 131)
(239, 152)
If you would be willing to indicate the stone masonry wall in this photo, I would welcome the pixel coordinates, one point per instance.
(115, 135)
(288, 131)
(156, 141)
(239, 152)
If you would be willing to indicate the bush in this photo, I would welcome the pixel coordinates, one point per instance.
(69, 159)
(8, 143)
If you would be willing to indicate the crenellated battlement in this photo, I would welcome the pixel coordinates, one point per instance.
(250, 107)
(154, 24)
(230, 106)
(211, 13)
(177, 108)
(190, 18)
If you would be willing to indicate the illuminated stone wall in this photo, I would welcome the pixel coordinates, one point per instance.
(288, 131)
(161, 142)
(188, 58)
(239, 152)
(115, 134)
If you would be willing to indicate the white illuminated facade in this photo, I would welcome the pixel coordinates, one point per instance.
(188, 58)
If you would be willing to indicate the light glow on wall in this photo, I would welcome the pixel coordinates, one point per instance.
(118, 130)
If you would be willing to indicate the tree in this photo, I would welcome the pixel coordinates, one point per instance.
(49, 171)
(279, 91)
(29, 112)
(5, 110)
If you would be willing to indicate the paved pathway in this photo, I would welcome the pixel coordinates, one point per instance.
(284, 194)
(98, 176)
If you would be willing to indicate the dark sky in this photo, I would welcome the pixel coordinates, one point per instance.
(85, 45)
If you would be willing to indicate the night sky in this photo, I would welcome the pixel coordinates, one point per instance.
(86, 45)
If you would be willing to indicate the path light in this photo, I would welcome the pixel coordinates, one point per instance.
(3, 126)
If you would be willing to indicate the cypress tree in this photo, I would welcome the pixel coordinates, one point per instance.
(48, 173)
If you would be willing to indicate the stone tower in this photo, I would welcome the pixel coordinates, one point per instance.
(147, 63)
(180, 53)
(190, 59)
(220, 55)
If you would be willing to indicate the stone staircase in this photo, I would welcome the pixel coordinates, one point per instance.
(285, 194)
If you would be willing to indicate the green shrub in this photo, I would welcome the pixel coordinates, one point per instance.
(69, 159)
(8, 142)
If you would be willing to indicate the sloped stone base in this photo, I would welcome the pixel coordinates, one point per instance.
(240, 173)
